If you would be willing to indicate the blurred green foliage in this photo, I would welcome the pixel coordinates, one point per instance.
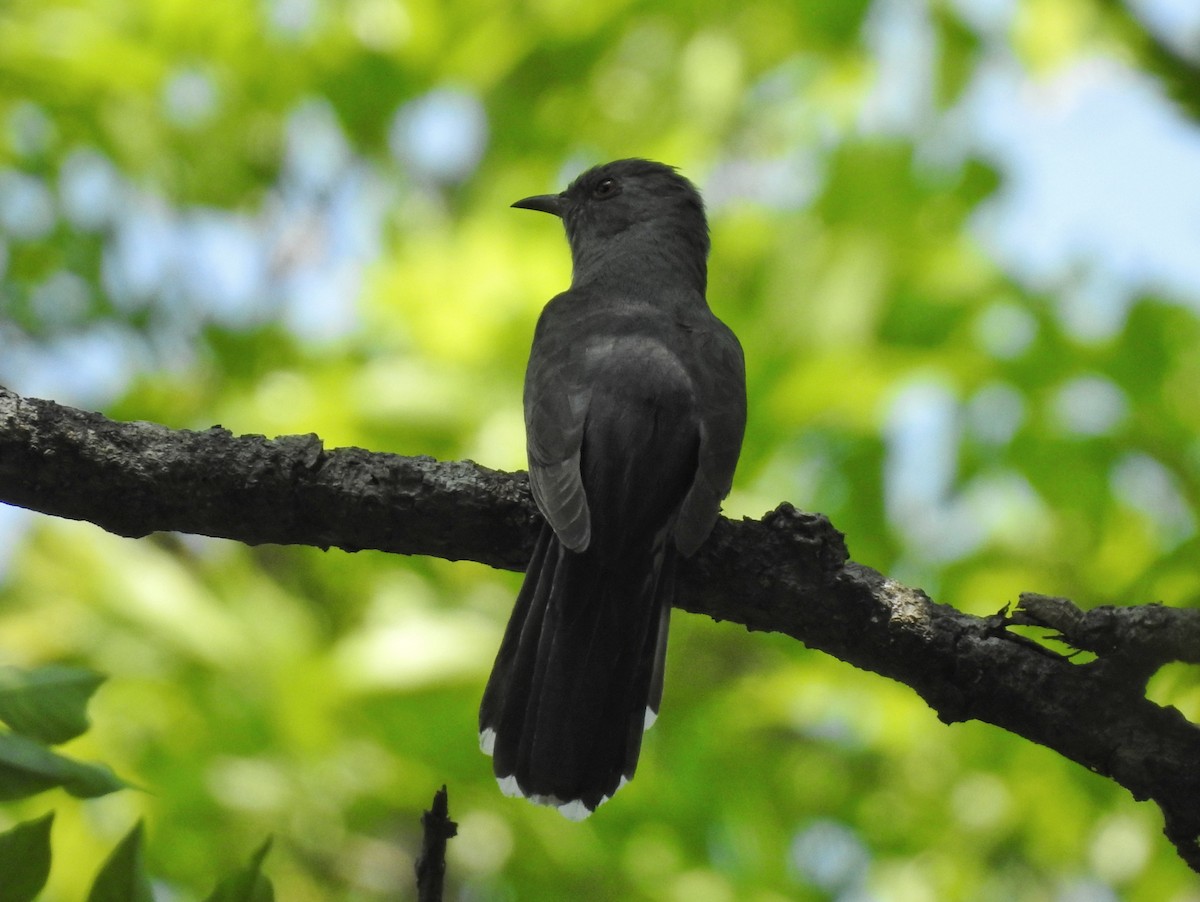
(251, 214)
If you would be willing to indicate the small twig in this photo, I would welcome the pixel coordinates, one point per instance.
(1137, 638)
(431, 865)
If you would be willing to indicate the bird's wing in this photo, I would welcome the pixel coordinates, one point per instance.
(556, 403)
(720, 376)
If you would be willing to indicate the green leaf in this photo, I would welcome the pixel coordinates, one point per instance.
(25, 859)
(248, 884)
(49, 703)
(28, 767)
(123, 878)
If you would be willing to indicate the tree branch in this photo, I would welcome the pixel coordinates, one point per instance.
(133, 479)
(789, 573)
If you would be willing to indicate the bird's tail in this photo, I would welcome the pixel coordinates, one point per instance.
(579, 674)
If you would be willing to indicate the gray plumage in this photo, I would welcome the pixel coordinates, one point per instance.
(635, 406)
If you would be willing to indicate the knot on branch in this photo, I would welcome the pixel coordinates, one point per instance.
(820, 538)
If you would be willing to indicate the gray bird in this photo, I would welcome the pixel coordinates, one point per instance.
(635, 407)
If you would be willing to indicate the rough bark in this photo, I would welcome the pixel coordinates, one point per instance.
(788, 572)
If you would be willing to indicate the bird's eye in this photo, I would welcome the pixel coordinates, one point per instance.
(605, 188)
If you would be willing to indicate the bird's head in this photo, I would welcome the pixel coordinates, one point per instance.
(629, 210)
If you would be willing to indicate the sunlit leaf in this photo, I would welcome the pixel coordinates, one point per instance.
(49, 703)
(122, 877)
(248, 884)
(25, 859)
(28, 767)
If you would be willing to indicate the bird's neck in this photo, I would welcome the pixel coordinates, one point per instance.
(632, 259)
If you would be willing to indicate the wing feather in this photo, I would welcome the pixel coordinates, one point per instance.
(721, 385)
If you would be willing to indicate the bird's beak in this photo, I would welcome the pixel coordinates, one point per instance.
(545, 203)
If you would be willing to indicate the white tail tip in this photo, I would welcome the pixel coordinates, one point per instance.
(487, 741)
(574, 810)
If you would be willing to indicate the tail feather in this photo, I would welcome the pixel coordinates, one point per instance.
(513, 671)
(580, 670)
(656, 657)
(579, 674)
